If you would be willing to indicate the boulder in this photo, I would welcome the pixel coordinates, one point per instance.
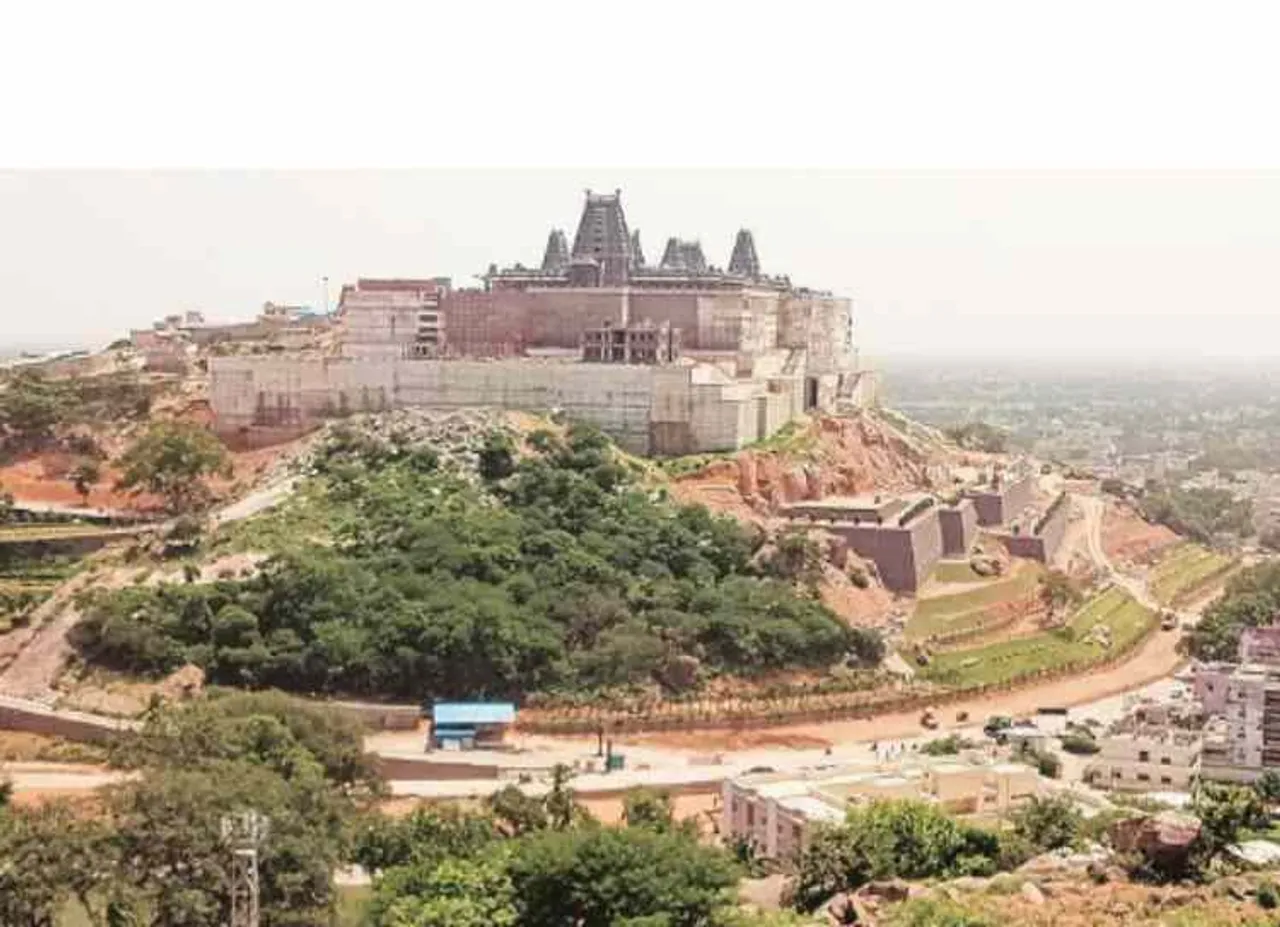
(183, 683)
(1165, 838)
(891, 890)
(1031, 893)
(845, 908)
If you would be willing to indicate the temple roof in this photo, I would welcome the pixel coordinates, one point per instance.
(684, 256)
(744, 262)
(603, 236)
(556, 258)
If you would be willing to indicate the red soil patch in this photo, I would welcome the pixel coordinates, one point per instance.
(42, 478)
(1129, 539)
(838, 457)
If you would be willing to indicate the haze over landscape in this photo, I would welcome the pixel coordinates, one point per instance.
(1127, 266)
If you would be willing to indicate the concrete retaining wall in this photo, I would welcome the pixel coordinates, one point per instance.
(903, 555)
(999, 506)
(959, 524)
(1042, 546)
(21, 715)
(646, 409)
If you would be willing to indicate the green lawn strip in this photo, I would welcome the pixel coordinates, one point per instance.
(26, 533)
(958, 571)
(1009, 660)
(1184, 571)
(949, 613)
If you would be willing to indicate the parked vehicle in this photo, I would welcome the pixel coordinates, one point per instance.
(995, 724)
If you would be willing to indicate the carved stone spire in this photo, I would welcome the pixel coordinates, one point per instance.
(556, 258)
(637, 253)
(744, 262)
(603, 237)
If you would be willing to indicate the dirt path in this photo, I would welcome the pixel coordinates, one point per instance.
(1156, 659)
(37, 653)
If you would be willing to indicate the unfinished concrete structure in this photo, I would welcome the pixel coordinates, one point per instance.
(902, 536)
(674, 359)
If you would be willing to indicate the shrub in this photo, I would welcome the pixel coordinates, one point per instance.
(1079, 744)
(1267, 896)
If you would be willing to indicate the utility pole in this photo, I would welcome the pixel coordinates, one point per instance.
(244, 833)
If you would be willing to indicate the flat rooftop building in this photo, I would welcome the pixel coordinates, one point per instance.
(776, 812)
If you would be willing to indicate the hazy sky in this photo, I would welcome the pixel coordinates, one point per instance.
(1155, 265)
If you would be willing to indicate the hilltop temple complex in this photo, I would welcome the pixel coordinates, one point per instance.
(675, 358)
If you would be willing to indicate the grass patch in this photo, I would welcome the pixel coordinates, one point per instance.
(796, 439)
(958, 571)
(1184, 570)
(1006, 661)
(949, 613)
(306, 517)
(14, 534)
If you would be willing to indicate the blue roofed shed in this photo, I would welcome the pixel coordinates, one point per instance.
(467, 725)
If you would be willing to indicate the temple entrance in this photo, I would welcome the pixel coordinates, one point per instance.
(810, 393)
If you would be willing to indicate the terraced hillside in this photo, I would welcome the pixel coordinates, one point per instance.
(1188, 571)
(973, 609)
(1105, 627)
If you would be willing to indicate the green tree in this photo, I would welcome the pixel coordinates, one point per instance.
(85, 475)
(31, 407)
(452, 893)
(651, 808)
(1048, 822)
(1224, 811)
(497, 456)
(171, 460)
(1251, 599)
(601, 877)
(886, 839)
(515, 812)
(173, 855)
(1268, 787)
(1058, 592)
(423, 839)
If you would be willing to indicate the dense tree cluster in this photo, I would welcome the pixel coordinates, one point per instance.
(887, 839)
(560, 572)
(33, 408)
(1199, 514)
(978, 436)
(156, 855)
(1251, 599)
(449, 868)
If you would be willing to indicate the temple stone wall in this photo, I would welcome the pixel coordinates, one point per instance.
(646, 409)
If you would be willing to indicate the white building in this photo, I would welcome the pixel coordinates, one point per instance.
(1147, 760)
(776, 811)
